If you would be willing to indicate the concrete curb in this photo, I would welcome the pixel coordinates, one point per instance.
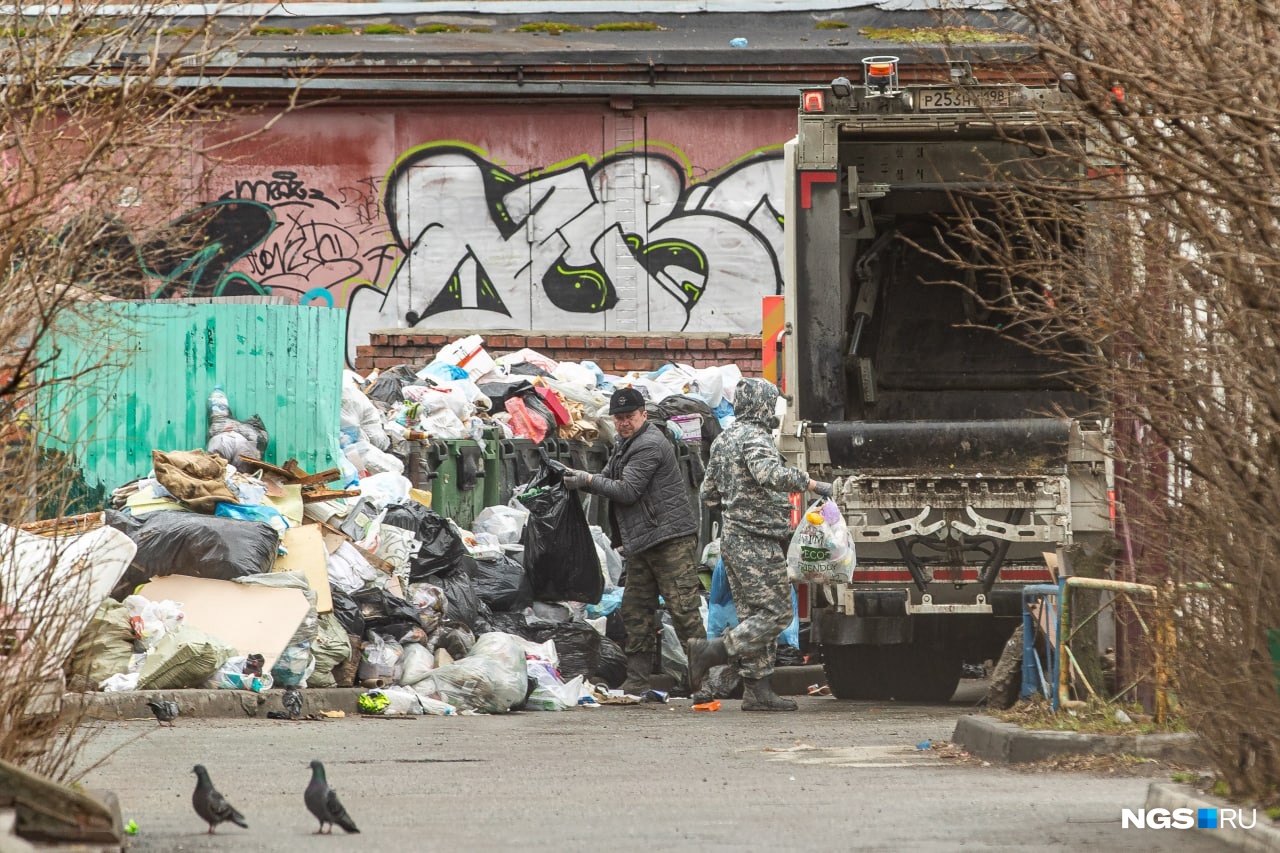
(132, 704)
(1263, 836)
(994, 740)
(237, 704)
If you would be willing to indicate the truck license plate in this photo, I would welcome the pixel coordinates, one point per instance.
(963, 99)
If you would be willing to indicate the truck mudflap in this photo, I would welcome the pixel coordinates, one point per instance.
(1023, 444)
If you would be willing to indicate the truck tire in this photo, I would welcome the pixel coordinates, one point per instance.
(923, 674)
(909, 673)
(854, 672)
(1006, 678)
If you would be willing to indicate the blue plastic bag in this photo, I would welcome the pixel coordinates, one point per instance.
(253, 512)
(723, 615)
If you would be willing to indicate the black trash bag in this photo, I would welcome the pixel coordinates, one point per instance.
(501, 391)
(612, 669)
(502, 584)
(191, 543)
(389, 615)
(461, 604)
(534, 403)
(577, 645)
(513, 623)
(559, 554)
(614, 628)
(455, 638)
(441, 551)
(687, 404)
(347, 611)
(722, 682)
(526, 368)
(389, 386)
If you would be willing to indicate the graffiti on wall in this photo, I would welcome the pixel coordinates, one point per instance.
(635, 240)
(626, 242)
(318, 246)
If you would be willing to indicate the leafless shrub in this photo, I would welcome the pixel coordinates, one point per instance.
(1153, 273)
(102, 120)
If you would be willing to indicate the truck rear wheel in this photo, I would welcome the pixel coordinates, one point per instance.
(909, 672)
(923, 673)
(854, 672)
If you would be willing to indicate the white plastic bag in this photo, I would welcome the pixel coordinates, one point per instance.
(231, 676)
(503, 522)
(493, 677)
(821, 548)
(416, 664)
(359, 413)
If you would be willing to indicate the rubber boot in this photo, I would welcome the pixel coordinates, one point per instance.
(758, 695)
(704, 654)
(638, 666)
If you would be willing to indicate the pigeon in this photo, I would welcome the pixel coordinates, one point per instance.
(210, 805)
(323, 802)
(165, 710)
(292, 701)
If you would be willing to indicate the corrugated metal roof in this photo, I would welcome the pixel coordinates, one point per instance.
(136, 376)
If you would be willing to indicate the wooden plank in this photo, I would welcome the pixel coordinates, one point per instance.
(47, 811)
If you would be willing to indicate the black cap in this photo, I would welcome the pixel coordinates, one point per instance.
(625, 400)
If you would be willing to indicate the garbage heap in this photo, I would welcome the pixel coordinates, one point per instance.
(450, 570)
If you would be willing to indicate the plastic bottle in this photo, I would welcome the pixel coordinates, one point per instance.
(218, 405)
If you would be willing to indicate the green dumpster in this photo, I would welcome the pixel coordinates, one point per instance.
(455, 472)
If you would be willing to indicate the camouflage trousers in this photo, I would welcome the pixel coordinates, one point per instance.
(669, 569)
(756, 567)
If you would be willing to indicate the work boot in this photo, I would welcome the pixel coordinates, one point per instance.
(758, 695)
(638, 666)
(704, 654)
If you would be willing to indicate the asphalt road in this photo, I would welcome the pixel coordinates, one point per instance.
(835, 775)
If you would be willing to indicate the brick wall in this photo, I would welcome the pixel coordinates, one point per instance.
(616, 353)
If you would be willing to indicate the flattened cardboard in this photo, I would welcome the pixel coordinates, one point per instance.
(307, 554)
(254, 619)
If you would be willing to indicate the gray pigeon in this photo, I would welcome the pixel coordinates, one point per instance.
(165, 710)
(210, 805)
(292, 701)
(323, 802)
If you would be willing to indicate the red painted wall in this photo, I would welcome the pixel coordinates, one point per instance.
(509, 216)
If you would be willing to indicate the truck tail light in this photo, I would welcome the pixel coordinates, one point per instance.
(812, 101)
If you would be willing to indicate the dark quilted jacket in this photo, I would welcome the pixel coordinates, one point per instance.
(649, 497)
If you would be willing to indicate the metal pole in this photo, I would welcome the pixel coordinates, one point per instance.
(1064, 627)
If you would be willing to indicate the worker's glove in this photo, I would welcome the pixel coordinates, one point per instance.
(821, 489)
(576, 479)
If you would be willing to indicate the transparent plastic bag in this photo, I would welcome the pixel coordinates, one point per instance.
(821, 548)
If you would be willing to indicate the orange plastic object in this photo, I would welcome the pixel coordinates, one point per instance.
(713, 705)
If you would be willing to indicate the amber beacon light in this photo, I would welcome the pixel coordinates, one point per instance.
(880, 76)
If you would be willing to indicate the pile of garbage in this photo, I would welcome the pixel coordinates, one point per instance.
(465, 393)
(248, 576)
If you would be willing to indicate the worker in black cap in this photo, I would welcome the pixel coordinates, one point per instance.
(654, 521)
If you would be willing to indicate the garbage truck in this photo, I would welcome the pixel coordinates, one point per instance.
(967, 463)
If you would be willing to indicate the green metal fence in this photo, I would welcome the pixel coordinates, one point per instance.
(129, 377)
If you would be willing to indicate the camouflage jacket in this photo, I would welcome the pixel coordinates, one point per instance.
(746, 475)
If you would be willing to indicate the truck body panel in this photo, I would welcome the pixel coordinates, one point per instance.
(965, 461)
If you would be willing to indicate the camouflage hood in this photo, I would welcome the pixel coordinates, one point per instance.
(755, 401)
